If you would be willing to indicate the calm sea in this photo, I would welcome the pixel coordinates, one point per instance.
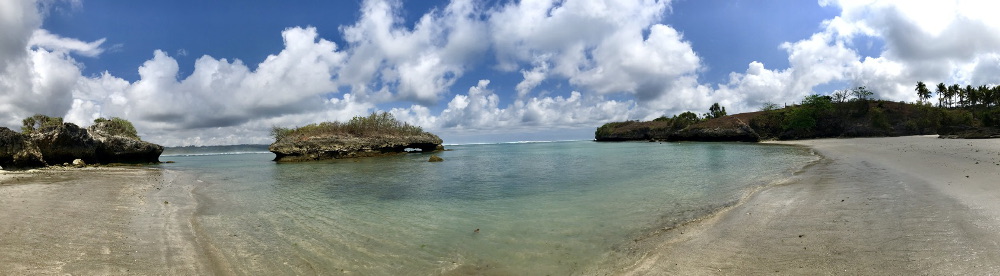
(546, 208)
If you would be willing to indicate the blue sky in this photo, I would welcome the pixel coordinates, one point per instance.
(223, 72)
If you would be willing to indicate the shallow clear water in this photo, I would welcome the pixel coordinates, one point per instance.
(541, 208)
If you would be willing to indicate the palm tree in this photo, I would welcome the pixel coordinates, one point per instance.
(941, 90)
(922, 92)
(951, 93)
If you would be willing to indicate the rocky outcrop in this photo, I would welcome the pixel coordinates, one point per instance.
(728, 128)
(970, 133)
(725, 129)
(67, 143)
(113, 148)
(321, 147)
(64, 143)
(17, 151)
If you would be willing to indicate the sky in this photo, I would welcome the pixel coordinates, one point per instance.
(190, 72)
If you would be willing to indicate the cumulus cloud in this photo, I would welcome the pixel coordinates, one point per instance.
(619, 61)
(420, 64)
(934, 41)
(479, 110)
(600, 46)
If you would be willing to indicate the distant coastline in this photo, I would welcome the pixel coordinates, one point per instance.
(817, 116)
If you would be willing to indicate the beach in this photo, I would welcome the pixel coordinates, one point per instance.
(97, 221)
(903, 205)
(871, 206)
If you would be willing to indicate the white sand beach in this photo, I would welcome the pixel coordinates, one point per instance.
(97, 221)
(872, 206)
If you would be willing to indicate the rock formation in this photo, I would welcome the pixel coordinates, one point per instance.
(68, 142)
(321, 147)
(17, 151)
(336, 146)
(121, 149)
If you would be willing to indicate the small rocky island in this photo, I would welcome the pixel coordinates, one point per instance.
(45, 141)
(379, 134)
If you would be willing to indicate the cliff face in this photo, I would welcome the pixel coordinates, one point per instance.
(17, 150)
(321, 147)
(725, 129)
(67, 142)
(113, 148)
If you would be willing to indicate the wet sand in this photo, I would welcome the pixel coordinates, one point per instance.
(97, 221)
(871, 206)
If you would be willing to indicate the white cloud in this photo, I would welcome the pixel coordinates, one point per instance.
(44, 39)
(619, 60)
(422, 63)
(480, 111)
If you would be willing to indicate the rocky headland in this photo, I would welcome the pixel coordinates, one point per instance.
(66, 142)
(376, 135)
(817, 117)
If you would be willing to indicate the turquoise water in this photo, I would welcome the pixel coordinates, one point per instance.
(541, 208)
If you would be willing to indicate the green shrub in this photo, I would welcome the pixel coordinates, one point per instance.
(118, 126)
(39, 122)
(375, 124)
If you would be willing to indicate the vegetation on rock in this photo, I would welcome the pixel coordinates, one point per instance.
(117, 126)
(970, 112)
(375, 135)
(48, 140)
(375, 124)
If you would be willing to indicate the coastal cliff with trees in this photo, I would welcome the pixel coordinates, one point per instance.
(378, 134)
(45, 141)
(969, 112)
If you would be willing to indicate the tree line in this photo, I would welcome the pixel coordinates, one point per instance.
(955, 95)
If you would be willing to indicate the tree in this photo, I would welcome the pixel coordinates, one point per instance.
(769, 106)
(716, 111)
(862, 93)
(805, 116)
(941, 91)
(685, 119)
(841, 95)
(39, 122)
(953, 91)
(922, 92)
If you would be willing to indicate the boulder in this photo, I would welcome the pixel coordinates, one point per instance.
(337, 146)
(17, 151)
(435, 158)
(112, 148)
(79, 162)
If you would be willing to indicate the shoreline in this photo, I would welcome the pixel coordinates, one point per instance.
(914, 204)
(98, 221)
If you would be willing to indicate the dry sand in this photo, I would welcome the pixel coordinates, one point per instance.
(871, 206)
(97, 221)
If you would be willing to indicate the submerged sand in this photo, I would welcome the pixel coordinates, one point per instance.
(871, 206)
(97, 221)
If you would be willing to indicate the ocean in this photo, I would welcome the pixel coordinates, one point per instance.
(529, 208)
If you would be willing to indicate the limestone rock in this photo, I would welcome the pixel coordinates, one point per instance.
(79, 162)
(121, 149)
(321, 147)
(64, 143)
(17, 151)
(435, 158)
